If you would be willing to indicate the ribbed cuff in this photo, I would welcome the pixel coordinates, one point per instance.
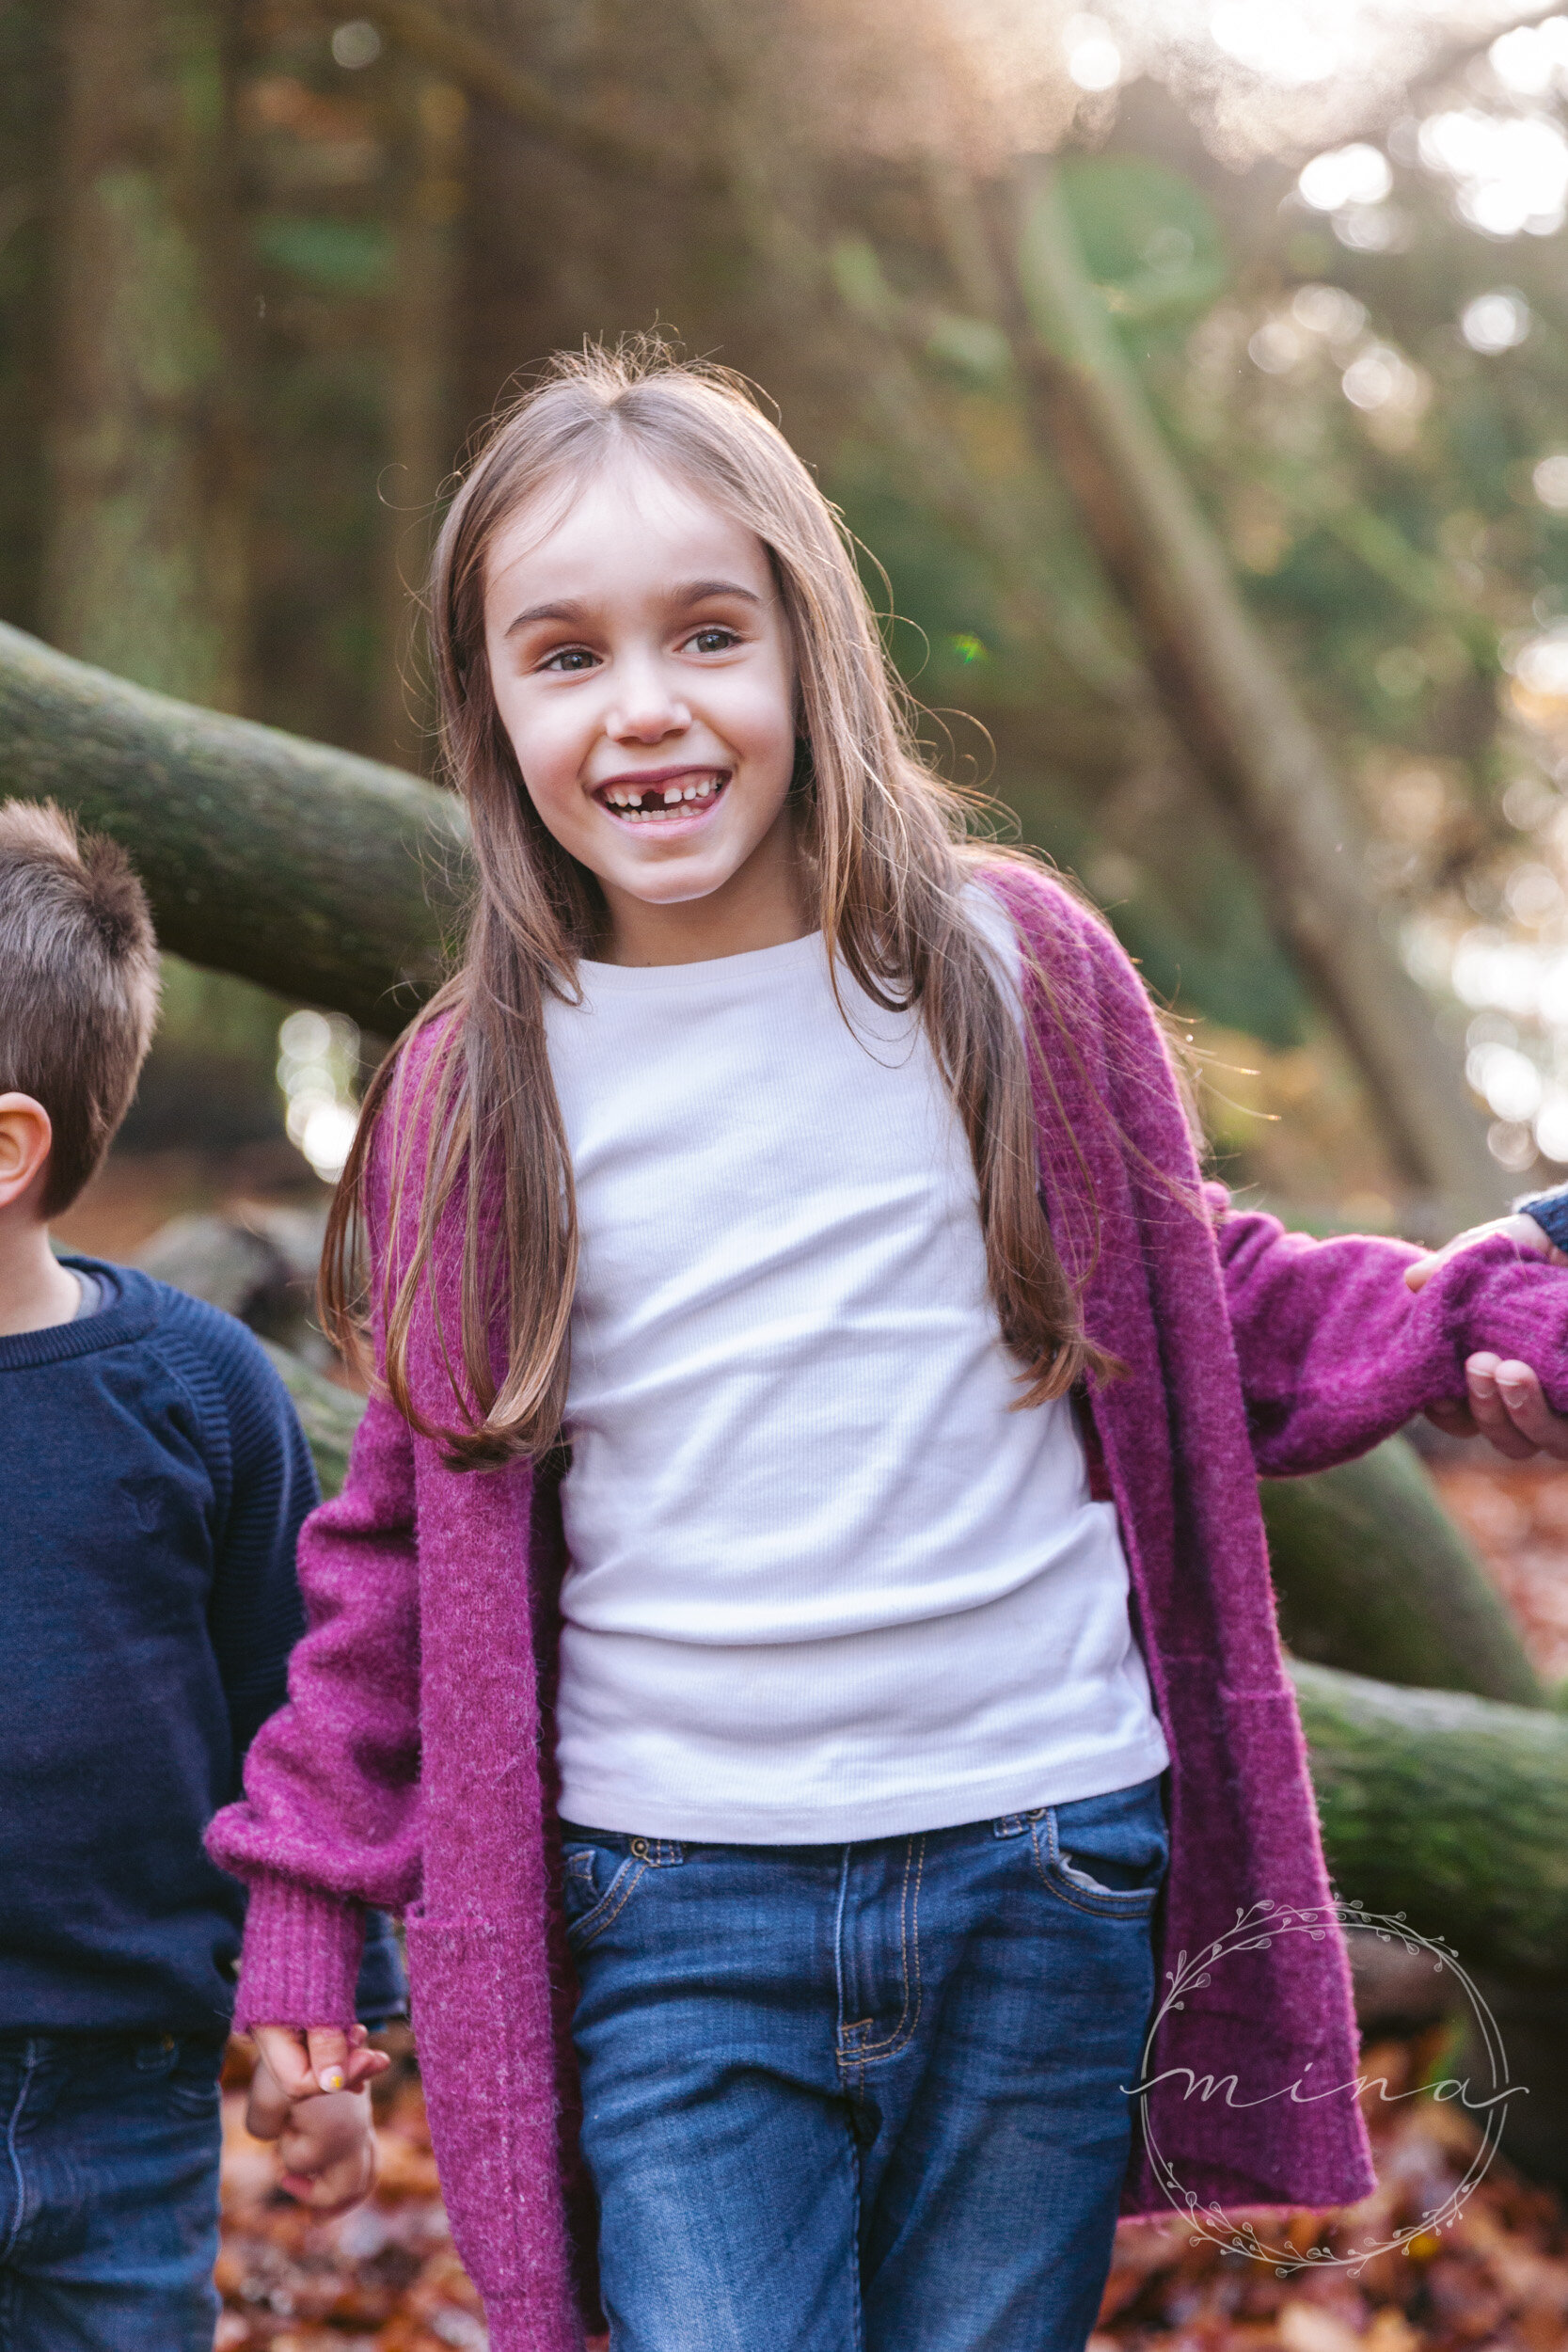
(301, 1960)
(516, 2323)
(1550, 1212)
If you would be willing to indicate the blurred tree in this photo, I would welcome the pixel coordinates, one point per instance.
(428, 120)
(145, 560)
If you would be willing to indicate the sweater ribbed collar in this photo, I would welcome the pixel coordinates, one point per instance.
(129, 1313)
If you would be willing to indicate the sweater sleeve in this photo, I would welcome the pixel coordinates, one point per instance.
(1336, 1354)
(329, 1817)
(255, 1616)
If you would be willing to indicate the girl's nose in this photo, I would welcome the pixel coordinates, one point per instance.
(646, 707)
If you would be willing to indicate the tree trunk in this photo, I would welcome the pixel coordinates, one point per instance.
(315, 873)
(428, 144)
(1372, 1575)
(145, 570)
(1232, 705)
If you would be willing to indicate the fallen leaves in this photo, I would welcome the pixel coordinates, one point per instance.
(1493, 2279)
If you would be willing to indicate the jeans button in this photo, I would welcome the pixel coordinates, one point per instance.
(639, 1848)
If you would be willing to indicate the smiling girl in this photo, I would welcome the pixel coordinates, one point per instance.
(800, 1570)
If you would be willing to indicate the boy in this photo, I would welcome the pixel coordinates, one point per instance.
(151, 1487)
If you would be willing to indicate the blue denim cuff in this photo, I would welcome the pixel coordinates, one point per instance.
(1550, 1212)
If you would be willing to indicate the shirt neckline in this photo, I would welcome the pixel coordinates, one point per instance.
(713, 971)
(129, 1310)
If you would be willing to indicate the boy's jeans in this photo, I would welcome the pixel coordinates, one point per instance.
(870, 2095)
(108, 2193)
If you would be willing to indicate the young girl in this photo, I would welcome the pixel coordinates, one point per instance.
(802, 1562)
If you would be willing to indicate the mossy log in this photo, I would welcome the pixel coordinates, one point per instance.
(326, 877)
(1452, 1809)
(1372, 1575)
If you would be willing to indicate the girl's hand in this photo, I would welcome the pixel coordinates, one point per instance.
(327, 2142)
(306, 2060)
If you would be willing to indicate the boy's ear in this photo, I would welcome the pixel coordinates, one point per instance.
(26, 1138)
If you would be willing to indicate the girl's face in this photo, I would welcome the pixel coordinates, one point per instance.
(642, 666)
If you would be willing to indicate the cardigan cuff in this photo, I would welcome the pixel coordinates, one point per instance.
(1550, 1212)
(301, 1961)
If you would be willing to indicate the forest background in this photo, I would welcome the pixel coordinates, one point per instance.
(1192, 377)
(263, 270)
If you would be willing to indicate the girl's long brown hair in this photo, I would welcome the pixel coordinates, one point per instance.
(886, 856)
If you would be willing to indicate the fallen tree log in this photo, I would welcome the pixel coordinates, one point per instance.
(1448, 1808)
(316, 873)
(1372, 1575)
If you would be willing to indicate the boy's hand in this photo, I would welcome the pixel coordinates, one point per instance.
(325, 2140)
(305, 2060)
(1522, 1230)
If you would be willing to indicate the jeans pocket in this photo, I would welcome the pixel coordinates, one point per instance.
(1106, 1854)
(587, 1910)
(193, 2082)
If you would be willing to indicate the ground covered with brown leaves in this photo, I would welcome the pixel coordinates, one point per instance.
(1495, 2278)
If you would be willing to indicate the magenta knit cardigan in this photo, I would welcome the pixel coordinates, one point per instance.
(412, 1767)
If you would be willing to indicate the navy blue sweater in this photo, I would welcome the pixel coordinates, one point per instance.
(153, 1476)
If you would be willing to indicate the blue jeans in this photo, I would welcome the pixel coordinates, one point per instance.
(108, 2193)
(865, 2098)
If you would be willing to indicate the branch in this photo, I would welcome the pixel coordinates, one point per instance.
(320, 875)
(486, 73)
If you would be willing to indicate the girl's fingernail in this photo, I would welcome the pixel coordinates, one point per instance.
(332, 2078)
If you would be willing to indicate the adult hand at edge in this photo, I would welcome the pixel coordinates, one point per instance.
(1505, 1404)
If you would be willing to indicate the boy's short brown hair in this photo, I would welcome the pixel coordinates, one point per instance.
(78, 984)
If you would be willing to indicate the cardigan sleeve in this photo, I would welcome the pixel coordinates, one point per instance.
(1334, 1354)
(329, 1819)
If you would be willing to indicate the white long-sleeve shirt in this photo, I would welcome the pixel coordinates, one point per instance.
(823, 1583)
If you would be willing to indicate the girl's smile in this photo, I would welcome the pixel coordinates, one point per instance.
(644, 670)
(678, 797)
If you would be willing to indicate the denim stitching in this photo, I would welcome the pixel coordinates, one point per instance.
(857, 2308)
(591, 1924)
(29, 2068)
(902, 2033)
(1112, 1902)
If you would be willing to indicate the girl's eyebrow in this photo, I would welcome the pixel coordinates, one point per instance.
(689, 592)
(694, 590)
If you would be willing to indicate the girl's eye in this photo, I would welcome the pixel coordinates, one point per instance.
(570, 658)
(715, 640)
